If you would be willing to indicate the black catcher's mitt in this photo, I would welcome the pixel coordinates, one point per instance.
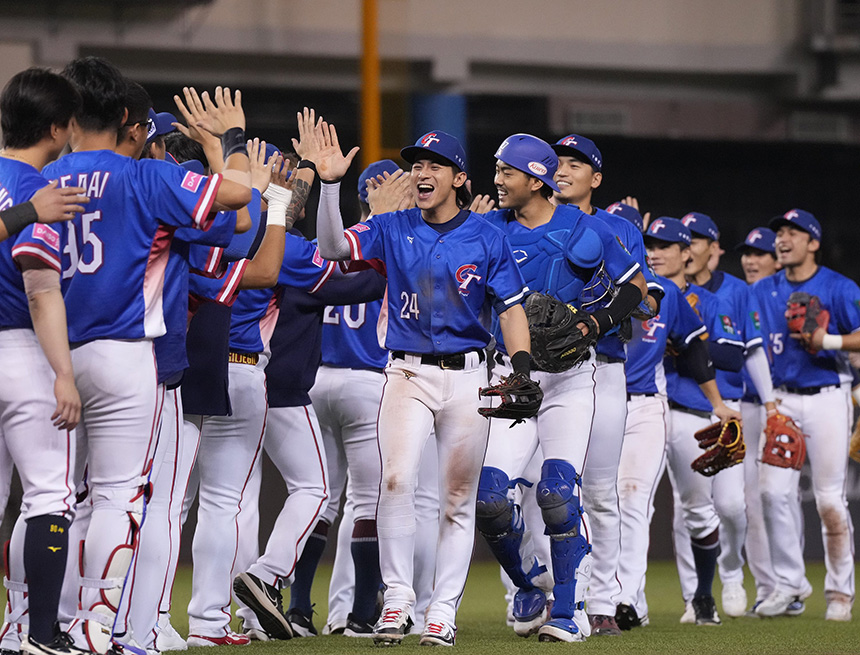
(805, 315)
(557, 343)
(520, 398)
(723, 445)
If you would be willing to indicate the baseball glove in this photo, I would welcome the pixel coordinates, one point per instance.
(558, 344)
(723, 445)
(805, 315)
(785, 444)
(520, 398)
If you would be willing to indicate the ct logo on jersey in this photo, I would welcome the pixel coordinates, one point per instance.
(650, 327)
(429, 139)
(465, 274)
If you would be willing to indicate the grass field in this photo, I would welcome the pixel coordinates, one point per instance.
(482, 628)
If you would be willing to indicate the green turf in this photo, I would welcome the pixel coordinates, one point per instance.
(482, 628)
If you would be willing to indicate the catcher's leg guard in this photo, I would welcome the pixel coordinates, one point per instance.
(558, 498)
(500, 522)
(99, 618)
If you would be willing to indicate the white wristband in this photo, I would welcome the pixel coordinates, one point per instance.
(275, 193)
(277, 214)
(831, 342)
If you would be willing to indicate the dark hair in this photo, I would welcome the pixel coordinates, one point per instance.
(184, 149)
(103, 93)
(33, 101)
(546, 190)
(464, 196)
(138, 103)
(147, 148)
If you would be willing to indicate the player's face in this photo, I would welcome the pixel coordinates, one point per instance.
(794, 246)
(757, 264)
(513, 187)
(667, 259)
(700, 253)
(433, 183)
(576, 180)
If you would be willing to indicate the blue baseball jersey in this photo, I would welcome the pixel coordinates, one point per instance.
(350, 338)
(116, 252)
(541, 253)
(791, 365)
(255, 311)
(442, 286)
(631, 240)
(18, 182)
(714, 313)
(677, 324)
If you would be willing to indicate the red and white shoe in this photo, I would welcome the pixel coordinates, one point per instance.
(230, 639)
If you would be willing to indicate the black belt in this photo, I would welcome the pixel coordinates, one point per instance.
(236, 357)
(606, 359)
(688, 410)
(809, 391)
(630, 396)
(456, 361)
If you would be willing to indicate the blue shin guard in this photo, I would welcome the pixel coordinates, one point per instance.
(500, 522)
(558, 498)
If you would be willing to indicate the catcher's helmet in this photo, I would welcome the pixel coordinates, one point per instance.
(530, 155)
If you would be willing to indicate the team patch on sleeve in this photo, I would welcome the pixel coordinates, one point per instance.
(756, 320)
(727, 324)
(319, 262)
(46, 234)
(191, 181)
(359, 227)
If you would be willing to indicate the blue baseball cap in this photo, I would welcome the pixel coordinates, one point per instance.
(439, 143)
(376, 168)
(159, 124)
(798, 218)
(759, 238)
(626, 211)
(271, 149)
(193, 165)
(670, 230)
(574, 145)
(530, 155)
(701, 225)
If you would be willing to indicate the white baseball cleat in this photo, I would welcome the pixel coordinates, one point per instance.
(838, 610)
(166, 636)
(689, 615)
(438, 633)
(734, 599)
(392, 626)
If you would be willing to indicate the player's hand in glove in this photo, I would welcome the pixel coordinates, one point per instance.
(724, 447)
(726, 414)
(785, 443)
(807, 320)
(520, 398)
(561, 335)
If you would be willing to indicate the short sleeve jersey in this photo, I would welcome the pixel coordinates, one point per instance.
(116, 251)
(349, 337)
(18, 182)
(442, 286)
(791, 365)
(677, 324)
(714, 314)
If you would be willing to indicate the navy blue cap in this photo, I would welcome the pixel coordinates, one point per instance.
(193, 165)
(574, 145)
(439, 143)
(701, 225)
(530, 155)
(669, 229)
(159, 124)
(760, 238)
(626, 211)
(798, 218)
(376, 168)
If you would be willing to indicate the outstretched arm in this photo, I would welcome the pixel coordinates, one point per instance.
(331, 166)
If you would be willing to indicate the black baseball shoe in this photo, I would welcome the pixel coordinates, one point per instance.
(706, 611)
(266, 603)
(301, 623)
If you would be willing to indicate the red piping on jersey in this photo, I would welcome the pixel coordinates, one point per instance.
(202, 214)
(354, 245)
(230, 291)
(325, 276)
(37, 252)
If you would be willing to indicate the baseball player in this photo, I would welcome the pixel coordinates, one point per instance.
(729, 484)
(814, 390)
(446, 268)
(39, 403)
(558, 249)
(692, 401)
(579, 174)
(112, 286)
(49, 204)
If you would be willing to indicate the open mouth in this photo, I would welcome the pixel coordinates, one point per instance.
(501, 193)
(425, 191)
(562, 184)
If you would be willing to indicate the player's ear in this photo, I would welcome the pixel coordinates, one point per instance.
(459, 179)
(814, 245)
(596, 179)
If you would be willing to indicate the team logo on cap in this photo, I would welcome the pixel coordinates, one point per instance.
(615, 206)
(689, 218)
(429, 139)
(790, 215)
(537, 168)
(656, 226)
(569, 141)
(754, 236)
(465, 274)
(151, 131)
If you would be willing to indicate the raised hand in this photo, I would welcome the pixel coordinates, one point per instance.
(634, 202)
(261, 170)
(193, 112)
(309, 144)
(390, 192)
(332, 165)
(481, 204)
